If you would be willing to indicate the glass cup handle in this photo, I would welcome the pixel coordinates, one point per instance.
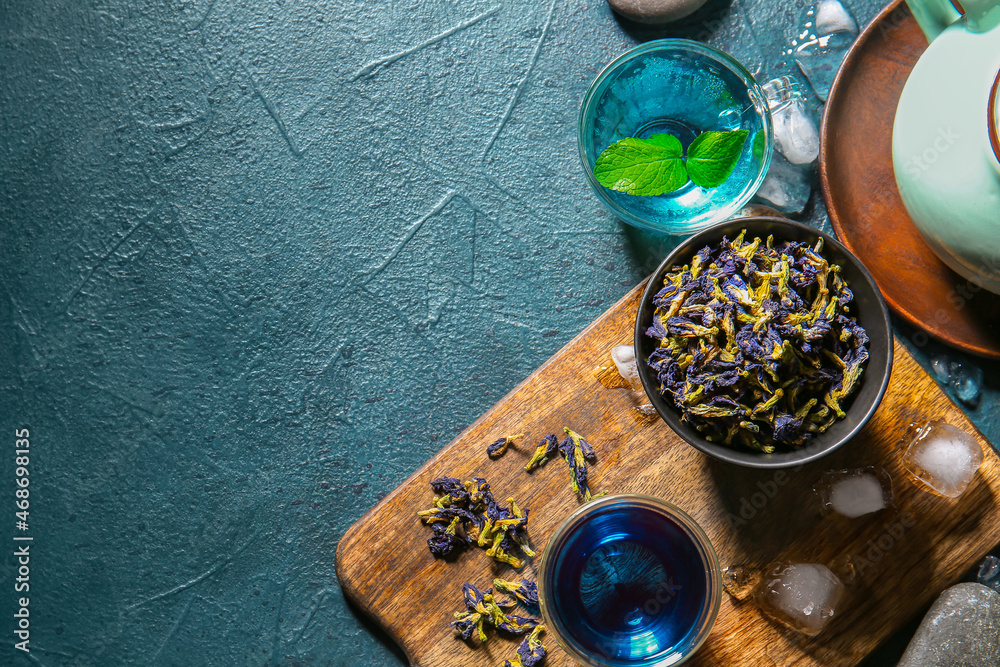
(780, 92)
(796, 135)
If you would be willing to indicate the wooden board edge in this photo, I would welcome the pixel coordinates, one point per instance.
(900, 343)
(349, 590)
(350, 536)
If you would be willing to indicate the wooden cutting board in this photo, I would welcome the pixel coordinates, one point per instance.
(752, 517)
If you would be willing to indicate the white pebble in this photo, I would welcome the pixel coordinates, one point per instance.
(833, 17)
(656, 11)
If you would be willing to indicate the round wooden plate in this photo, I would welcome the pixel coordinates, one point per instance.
(865, 208)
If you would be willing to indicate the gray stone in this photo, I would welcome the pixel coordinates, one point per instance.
(656, 11)
(989, 573)
(962, 629)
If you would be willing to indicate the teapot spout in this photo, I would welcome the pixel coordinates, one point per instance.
(933, 16)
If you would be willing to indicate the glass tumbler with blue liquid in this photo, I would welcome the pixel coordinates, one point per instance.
(629, 581)
(683, 88)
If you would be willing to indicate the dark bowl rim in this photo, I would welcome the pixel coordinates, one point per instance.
(750, 459)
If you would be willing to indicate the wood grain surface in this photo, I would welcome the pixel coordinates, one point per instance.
(752, 517)
(859, 186)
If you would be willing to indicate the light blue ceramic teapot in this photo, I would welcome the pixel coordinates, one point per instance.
(946, 137)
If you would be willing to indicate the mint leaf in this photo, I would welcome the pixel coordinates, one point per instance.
(758, 146)
(712, 156)
(644, 167)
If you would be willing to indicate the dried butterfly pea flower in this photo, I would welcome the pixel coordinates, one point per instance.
(518, 532)
(473, 516)
(524, 590)
(451, 488)
(531, 652)
(515, 625)
(499, 448)
(445, 514)
(503, 527)
(479, 493)
(577, 453)
(757, 345)
(547, 449)
(446, 540)
(477, 613)
(483, 609)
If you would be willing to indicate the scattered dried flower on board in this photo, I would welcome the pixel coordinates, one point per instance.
(578, 452)
(531, 652)
(525, 591)
(499, 448)
(547, 449)
(575, 450)
(483, 609)
(467, 513)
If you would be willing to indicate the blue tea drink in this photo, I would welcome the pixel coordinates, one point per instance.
(683, 88)
(630, 580)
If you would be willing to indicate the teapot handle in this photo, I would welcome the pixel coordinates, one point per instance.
(933, 16)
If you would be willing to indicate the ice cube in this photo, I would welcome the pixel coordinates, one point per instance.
(856, 492)
(802, 596)
(943, 457)
(939, 365)
(832, 33)
(795, 133)
(624, 358)
(989, 573)
(966, 381)
(740, 581)
(787, 187)
(644, 413)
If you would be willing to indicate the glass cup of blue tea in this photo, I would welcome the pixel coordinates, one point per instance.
(683, 88)
(629, 581)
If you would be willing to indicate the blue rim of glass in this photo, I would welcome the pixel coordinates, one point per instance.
(713, 576)
(673, 44)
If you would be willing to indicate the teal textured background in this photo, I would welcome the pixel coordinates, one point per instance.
(260, 261)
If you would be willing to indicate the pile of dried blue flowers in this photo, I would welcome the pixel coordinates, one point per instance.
(483, 609)
(466, 514)
(757, 344)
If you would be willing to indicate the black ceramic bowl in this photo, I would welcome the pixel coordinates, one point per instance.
(869, 308)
